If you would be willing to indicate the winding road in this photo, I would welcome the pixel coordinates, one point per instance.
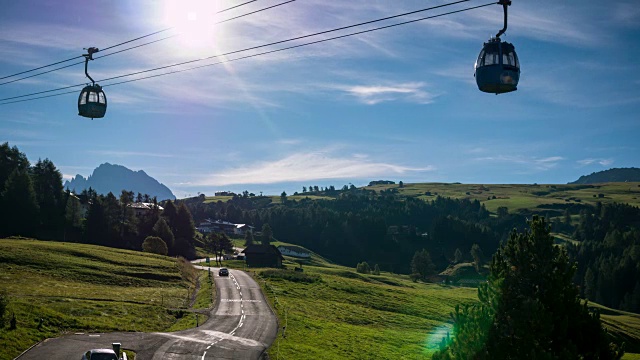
(240, 326)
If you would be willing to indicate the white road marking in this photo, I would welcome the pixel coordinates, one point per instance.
(205, 353)
(208, 347)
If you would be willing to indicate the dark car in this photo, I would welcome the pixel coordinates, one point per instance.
(223, 272)
(100, 354)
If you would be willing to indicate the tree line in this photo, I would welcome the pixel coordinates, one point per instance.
(34, 204)
(608, 255)
(377, 227)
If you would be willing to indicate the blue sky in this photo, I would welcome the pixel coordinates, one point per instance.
(398, 104)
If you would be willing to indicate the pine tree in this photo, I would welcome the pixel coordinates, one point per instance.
(248, 238)
(184, 231)
(477, 255)
(162, 230)
(529, 308)
(18, 195)
(421, 264)
(47, 184)
(457, 256)
(267, 233)
(376, 269)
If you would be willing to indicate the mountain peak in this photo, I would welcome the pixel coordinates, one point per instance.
(114, 178)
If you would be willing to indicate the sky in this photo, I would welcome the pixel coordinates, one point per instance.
(395, 104)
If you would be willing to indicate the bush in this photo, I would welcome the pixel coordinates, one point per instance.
(154, 244)
(376, 270)
(363, 268)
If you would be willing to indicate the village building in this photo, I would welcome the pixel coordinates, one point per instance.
(222, 226)
(142, 208)
(294, 251)
(258, 255)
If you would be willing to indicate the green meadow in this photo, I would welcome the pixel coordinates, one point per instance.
(332, 312)
(56, 288)
(516, 197)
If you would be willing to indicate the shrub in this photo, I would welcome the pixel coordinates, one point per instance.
(363, 268)
(376, 270)
(154, 244)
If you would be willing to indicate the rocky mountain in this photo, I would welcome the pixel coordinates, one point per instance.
(611, 175)
(115, 178)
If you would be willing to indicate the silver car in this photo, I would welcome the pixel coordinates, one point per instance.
(100, 354)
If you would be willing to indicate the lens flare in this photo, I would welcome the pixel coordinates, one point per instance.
(437, 336)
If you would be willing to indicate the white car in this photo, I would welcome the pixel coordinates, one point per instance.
(100, 354)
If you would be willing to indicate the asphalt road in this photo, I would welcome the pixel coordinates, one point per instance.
(240, 326)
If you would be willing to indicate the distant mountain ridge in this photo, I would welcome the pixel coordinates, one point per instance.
(611, 175)
(115, 178)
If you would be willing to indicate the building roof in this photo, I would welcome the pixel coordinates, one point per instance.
(143, 205)
(294, 248)
(262, 249)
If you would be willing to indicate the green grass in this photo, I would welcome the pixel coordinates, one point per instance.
(334, 313)
(86, 288)
(518, 197)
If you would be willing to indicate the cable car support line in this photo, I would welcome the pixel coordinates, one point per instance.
(253, 48)
(120, 44)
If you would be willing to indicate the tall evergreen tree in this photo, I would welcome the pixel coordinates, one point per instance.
(47, 184)
(184, 233)
(19, 197)
(267, 233)
(421, 264)
(10, 159)
(162, 230)
(96, 227)
(248, 238)
(73, 218)
(529, 308)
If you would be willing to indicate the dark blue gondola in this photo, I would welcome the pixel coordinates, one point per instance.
(92, 102)
(497, 69)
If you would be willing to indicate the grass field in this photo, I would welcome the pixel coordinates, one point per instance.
(64, 287)
(332, 312)
(518, 197)
(335, 313)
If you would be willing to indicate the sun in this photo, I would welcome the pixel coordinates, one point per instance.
(195, 22)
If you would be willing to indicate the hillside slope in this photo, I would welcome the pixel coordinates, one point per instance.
(611, 175)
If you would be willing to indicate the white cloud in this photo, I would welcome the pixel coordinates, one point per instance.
(374, 94)
(589, 161)
(532, 163)
(306, 166)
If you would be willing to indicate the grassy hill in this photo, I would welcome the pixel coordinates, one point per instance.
(538, 198)
(58, 287)
(332, 312)
(529, 198)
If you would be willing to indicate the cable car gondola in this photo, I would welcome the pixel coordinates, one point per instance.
(92, 102)
(497, 69)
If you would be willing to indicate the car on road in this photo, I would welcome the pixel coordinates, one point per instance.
(223, 272)
(100, 354)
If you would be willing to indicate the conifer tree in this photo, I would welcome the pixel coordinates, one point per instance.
(267, 233)
(18, 195)
(162, 230)
(529, 308)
